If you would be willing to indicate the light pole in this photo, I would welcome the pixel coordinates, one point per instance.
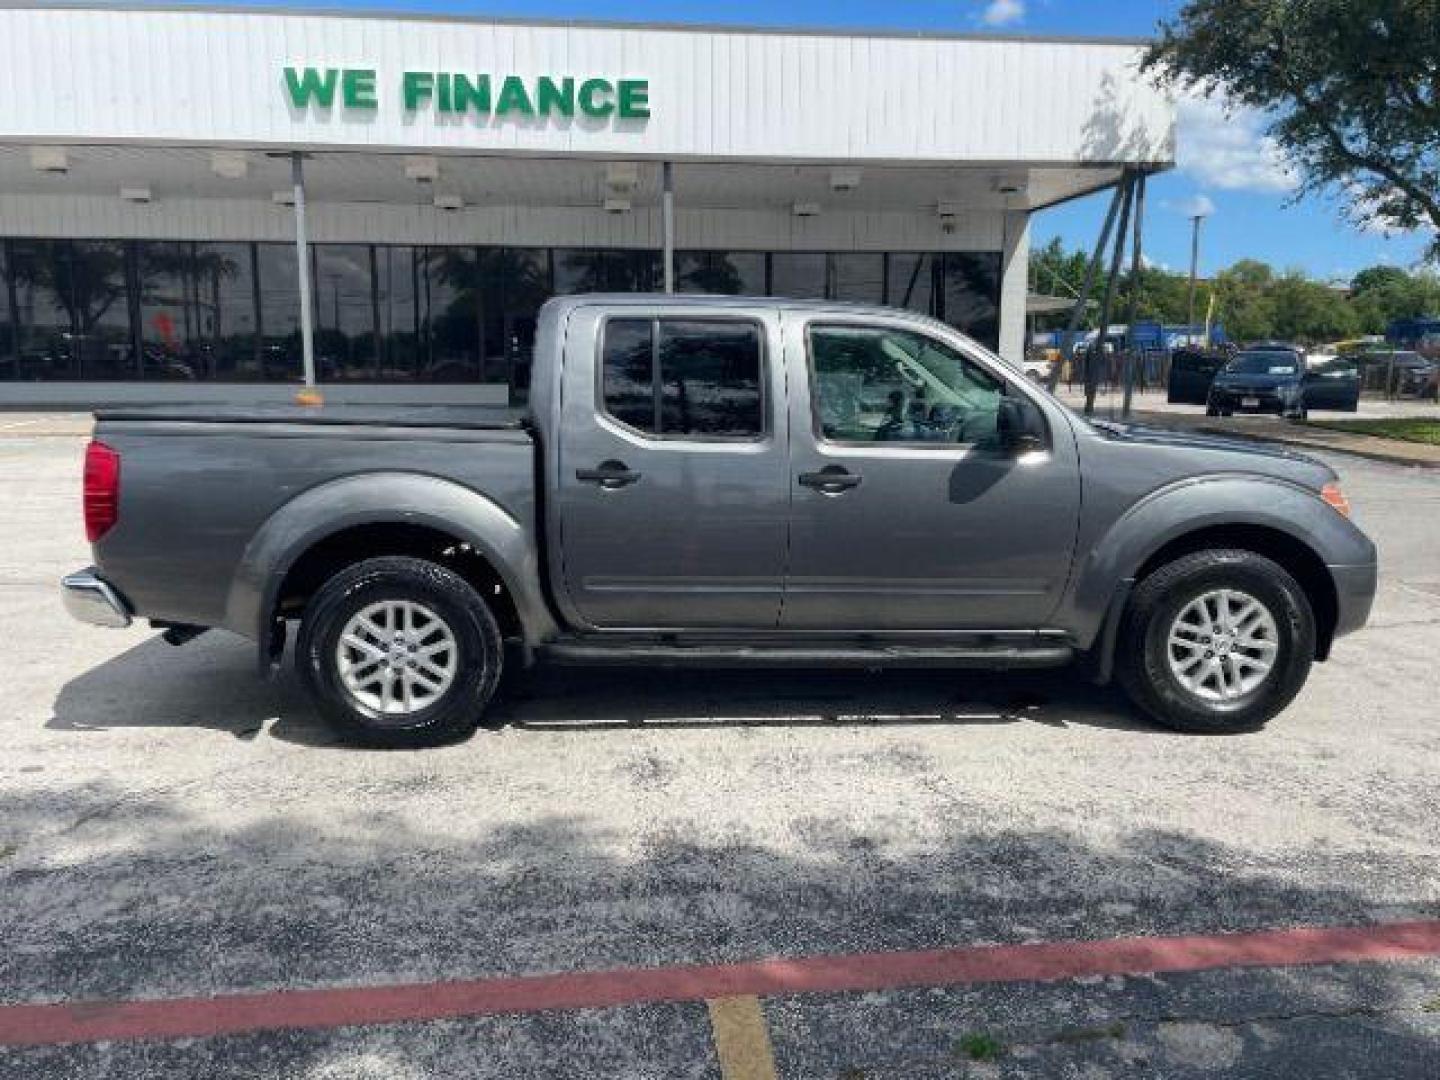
(1195, 220)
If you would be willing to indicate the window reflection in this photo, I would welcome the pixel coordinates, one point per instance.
(710, 378)
(580, 270)
(877, 384)
(628, 372)
(346, 312)
(197, 310)
(910, 282)
(725, 273)
(858, 276)
(182, 310)
(798, 274)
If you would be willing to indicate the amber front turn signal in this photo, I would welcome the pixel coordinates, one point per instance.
(1332, 494)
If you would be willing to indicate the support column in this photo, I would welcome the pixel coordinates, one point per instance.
(1014, 285)
(1137, 261)
(667, 223)
(1095, 355)
(1077, 313)
(302, 258)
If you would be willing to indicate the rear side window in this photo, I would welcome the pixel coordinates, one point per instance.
(684, 378)
(629, 372)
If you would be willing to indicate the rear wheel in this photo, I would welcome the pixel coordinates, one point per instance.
(1216, 642)
(400, 652)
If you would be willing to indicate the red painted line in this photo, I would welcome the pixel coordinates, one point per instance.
(33, 1025)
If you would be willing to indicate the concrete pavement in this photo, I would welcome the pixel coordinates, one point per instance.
(171, 827)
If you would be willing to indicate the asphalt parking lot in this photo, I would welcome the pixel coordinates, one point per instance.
(171, 827)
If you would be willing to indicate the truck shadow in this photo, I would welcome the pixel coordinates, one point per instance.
(212, 683)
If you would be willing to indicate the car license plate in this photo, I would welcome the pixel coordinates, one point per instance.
(1249, 403)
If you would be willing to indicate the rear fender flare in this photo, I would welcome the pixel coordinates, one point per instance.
(384, 498)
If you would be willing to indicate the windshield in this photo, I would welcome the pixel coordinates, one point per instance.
(1274, 363)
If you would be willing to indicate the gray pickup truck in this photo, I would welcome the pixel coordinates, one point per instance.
(719, 481)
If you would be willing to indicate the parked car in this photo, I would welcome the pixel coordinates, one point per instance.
(1281, 380)
(710, 480)
(1400, 373)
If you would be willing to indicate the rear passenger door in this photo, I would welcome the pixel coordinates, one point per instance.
(673, 493)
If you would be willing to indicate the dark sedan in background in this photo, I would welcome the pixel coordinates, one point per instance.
(1276, 379)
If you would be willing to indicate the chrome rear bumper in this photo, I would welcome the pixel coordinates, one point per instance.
(90, 598)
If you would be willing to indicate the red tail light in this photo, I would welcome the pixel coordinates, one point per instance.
(102, 489)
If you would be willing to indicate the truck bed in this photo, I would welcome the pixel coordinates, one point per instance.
(463, 417)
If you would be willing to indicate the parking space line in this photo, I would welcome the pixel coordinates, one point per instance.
(198, 1017)
(742, 1042)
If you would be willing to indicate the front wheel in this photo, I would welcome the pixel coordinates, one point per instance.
(1216, 642)
(399, 652)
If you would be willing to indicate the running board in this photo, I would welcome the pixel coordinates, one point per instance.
(590, 652)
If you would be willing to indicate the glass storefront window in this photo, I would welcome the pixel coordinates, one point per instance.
(910, 281)
(67, 305)
(280, 358)
(345, 312)
(514, 283)
(587, 270)
(9, 317)
(972, 294)
(196, 310)
(397, 283)
(800, 275)
(725, 273)
(858, 276)
(450, 281)
(104, 309)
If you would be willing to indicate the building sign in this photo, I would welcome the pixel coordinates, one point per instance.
(455, 94)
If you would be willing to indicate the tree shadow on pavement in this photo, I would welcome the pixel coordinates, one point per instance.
(212, 683)
(159, 894)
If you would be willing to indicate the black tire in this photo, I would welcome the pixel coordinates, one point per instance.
(1142, 660)
(1211, 410)
(456, 712)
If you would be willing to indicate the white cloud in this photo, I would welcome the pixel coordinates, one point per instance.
(1199, 205)
(1229, 149)
(1002, 12)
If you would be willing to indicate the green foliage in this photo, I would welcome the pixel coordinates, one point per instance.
(1414, 429)
(1252, 301)
(979, 1046)
(1352, 88)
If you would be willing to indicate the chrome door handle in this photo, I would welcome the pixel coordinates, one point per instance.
(608, 474)
(831, 480)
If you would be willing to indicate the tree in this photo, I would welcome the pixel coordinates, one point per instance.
(1309, 311)
(1352, 87)
(1242, 300)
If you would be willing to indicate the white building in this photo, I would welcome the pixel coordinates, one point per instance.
(458, 172)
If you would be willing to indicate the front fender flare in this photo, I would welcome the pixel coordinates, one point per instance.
(384, 498)
(1169, 513)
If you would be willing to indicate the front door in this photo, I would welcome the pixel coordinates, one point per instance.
(1332, 384)
(672, 488)
(907, 514)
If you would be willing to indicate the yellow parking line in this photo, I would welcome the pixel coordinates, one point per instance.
(741, 1040)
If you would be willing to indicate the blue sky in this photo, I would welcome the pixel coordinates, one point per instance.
(1224, 162)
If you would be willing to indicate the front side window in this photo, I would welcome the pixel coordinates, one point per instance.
(679, 378)
(882, 385)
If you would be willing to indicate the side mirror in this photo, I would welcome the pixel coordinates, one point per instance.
(1020, 425)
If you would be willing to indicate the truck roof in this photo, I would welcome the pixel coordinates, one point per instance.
(723, 302)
